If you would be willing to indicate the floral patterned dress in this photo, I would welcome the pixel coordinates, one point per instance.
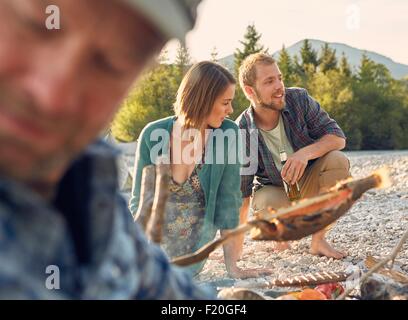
(185, 213)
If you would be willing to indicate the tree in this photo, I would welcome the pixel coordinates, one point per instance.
(286, 67)
(298, 75)
(344, 66)
(214, 55)
(370, 106)
(306, 68)
(327, 59)
(379, 107)
(182, 61)
(334, 92)
(250, 45)
(371, 72)
(308, 55)
(163, 58)
(151, 99)
(366, 70)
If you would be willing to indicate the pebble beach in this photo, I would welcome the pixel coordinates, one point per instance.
(372, 227)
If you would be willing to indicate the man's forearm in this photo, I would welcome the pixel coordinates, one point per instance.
(324, 145)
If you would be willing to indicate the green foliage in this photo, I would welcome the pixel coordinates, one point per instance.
(333, 90)
(182, 62)
(151, 99)
(287, 67)
(381, 107)
(308, 55)
(250, 45)
(327, 60)
(369, 105)
(305, 67)
(344, 67)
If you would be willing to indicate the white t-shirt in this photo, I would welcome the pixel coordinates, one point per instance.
(276, 141)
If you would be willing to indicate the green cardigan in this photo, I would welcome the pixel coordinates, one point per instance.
(220, 182)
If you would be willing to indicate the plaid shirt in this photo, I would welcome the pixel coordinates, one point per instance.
(305, 123)
(89, 235)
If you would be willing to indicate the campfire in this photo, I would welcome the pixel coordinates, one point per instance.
(301, 219)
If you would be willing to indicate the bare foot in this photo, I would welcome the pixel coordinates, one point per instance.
(323, 248)
(281, 246)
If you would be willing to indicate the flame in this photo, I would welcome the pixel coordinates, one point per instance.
(384, 175)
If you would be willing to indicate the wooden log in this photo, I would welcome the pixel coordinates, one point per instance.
(308, 216)
(147, 189)
(397, 276)
(301, 219)
(205, 251)
(155, 225)
(303, 280)
(381, 287)
(391, 257)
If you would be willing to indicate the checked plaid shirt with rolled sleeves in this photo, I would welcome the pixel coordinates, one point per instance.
(84, 244)
(305, 123)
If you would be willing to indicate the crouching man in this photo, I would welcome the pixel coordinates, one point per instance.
(287, 121)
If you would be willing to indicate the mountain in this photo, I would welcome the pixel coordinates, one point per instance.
(398, 70)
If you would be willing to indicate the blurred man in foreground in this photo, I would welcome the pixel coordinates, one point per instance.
(64, 230)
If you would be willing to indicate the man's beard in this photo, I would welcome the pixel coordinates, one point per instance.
(31, 166)
(271, 105)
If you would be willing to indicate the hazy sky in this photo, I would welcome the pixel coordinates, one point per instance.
(374, 25)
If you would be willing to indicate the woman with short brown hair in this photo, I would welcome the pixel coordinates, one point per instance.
(204, 195)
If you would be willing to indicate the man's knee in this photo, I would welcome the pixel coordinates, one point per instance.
(269, 196)
(336, 167)
(336, 160)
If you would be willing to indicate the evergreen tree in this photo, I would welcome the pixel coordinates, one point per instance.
(306, 68)
(344, 66)
(182, 61)
(334, 92)
(214, 55)
(370, 106)
(163, 58)
(250, 45)
(296, 63)
(366, 70)
(327, 60)
(373, 73)
(308, 55)
(378, 106)
(286, 67)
